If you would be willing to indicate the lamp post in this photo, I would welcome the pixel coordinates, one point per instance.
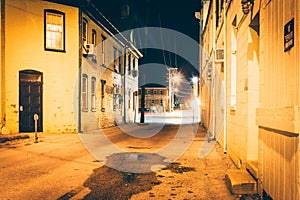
(171, 72)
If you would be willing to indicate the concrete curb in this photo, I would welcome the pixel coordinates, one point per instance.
(6, 138)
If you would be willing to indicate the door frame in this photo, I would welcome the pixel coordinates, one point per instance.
(39, 80)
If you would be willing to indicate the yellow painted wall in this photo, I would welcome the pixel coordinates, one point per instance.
(242, 132)
(24, 49)
(278, 114)
(2, 84)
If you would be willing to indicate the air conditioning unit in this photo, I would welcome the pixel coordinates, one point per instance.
(88, 49)
(219, 55)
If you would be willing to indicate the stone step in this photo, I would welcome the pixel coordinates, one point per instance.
(252, 168)
(240, 182)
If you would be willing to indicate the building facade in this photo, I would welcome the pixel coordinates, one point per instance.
(50, 67)
(156, 97)
(261, 85)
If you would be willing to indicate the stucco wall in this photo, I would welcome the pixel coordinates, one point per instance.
(242, 132)
(24, 49)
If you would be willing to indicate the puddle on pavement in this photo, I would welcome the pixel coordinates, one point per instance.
(109, 182)
(123, 175)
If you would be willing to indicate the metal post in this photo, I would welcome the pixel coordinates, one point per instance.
(142, 120)
(36, 118)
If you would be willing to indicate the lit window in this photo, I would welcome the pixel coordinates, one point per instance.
(54, 30)
(84, 93)
(93, 94)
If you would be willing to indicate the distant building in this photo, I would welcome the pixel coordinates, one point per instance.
(60, 60)
(156, 97)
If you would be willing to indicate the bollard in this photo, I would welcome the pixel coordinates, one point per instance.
(36, 118)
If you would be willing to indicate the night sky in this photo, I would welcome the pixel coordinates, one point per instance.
(171, 14)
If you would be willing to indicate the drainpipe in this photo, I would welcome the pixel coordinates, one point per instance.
(80, 70)
(225, 82)
(124, 84)
(2, 83)
(213, 79)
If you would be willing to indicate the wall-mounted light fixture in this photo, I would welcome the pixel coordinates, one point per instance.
(246, 5)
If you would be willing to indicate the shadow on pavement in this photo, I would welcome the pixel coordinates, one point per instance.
(109, 183)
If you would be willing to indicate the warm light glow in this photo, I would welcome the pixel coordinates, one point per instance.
(176, 78)
(195, 79)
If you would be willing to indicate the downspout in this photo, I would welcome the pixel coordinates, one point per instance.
(3, 84)
(124, 85)
(213, 78)
(80, 70)
(225, 82)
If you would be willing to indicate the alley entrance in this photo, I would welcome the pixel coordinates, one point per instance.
(30, 100)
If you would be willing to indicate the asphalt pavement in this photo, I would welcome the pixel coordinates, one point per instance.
(61, 166)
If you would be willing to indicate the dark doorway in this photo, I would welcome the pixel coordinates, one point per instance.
(30, 100)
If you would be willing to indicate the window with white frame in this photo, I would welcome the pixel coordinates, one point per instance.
(84, 93)
(93, 94)
(54, 30)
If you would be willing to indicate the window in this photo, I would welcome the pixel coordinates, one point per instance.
(94, 37)
(93, 94)
(134, 64)
(54, 30)
(84, 30)
(129, 64)
(120, 62)
(103, 82)
(84, 93)
(161, 102)
(148, 91)
(152, 101)
(154, 92)
(103, 38)
(116, 60)
(129, 98)
(161, 92)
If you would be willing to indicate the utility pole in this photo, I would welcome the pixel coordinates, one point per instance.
(142, 105)
(171, 72)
